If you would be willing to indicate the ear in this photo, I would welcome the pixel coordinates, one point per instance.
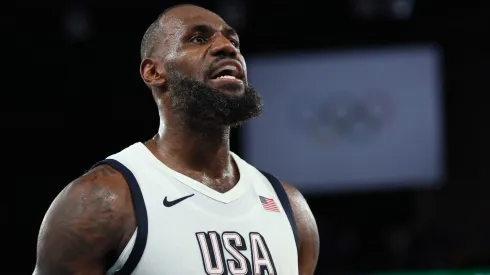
(152, 74)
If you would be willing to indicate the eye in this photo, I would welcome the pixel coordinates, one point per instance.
(235, 43)
(198, 39)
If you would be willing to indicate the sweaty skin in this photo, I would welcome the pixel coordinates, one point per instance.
(92, 219)
(309, 240)
(93, 216)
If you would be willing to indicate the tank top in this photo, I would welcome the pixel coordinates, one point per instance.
(185, 227)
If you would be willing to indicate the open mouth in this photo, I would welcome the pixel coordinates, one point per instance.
(227, 75)
(227, 72)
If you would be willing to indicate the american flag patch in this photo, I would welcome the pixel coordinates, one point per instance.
(269, 204)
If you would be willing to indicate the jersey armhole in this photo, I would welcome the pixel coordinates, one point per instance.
(141, 217)
(286, 205)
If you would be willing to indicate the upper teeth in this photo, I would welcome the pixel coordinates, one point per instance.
(227, 76)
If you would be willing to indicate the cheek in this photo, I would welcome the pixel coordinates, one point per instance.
(242, 60)
(192, 64)
(197, 68)
(245, 68)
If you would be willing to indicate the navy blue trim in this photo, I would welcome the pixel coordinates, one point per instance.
(283, 197)
(141, 216)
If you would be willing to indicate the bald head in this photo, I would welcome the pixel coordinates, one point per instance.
(156, 30)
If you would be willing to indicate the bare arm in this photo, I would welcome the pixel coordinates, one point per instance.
(309, 241)
(90, 218)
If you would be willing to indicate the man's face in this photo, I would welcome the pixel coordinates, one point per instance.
(206, 73)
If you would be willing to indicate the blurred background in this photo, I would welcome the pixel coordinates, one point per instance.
(374, 109)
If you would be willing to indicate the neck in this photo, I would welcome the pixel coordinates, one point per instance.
(205, 151)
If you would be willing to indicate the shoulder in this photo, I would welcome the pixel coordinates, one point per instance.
(295, 197)
(86, 221)
(101, 193)
(302, 212)
(98, 190)
(309, 240)
(102, 180)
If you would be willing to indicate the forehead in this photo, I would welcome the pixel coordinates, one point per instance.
(186, 17)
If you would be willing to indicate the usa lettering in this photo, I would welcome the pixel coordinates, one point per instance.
(212, 246)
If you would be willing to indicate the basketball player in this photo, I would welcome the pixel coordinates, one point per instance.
(182, 203)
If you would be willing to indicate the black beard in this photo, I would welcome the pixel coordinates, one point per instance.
(200, 107)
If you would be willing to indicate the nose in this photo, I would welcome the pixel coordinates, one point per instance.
(223, 47)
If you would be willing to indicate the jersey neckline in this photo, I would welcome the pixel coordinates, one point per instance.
(226, 197)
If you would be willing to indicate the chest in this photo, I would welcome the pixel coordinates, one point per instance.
(202, 236)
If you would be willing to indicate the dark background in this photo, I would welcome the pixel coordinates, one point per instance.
(79, 98)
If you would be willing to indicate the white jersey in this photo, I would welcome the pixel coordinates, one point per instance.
(185, 227)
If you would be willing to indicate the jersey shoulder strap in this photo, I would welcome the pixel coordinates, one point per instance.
(286, 205)
(141, 218)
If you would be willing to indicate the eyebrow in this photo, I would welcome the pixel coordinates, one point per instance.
(203, 28)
